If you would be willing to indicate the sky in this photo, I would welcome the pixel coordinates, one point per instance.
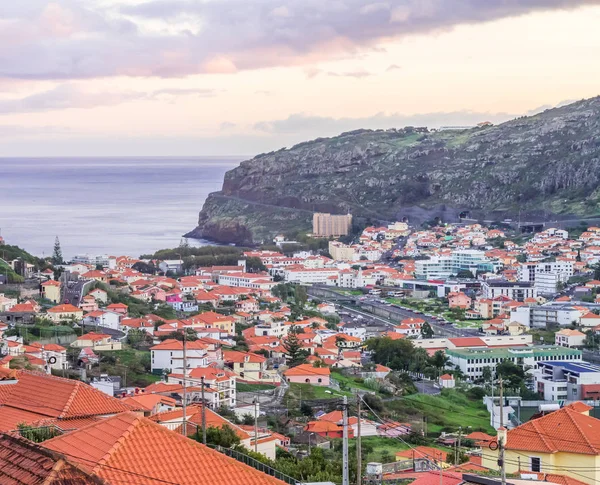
(241, 77)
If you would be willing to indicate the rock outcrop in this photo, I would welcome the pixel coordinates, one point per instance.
(543, 166)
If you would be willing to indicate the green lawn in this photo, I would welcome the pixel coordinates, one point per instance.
(382, 447)
(349, 382)
(243, 387)
(449, 410)
(307, 392)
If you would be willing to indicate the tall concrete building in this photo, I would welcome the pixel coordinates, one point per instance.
(328, 225)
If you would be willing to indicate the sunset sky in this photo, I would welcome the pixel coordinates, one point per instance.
(238, 77)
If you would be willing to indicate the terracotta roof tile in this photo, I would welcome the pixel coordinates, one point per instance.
(133, 447)
(61, 398)
(25, 463)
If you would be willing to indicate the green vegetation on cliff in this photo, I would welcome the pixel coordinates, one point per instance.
(541, 167)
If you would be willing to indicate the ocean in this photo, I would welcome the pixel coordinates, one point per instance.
(116, 206)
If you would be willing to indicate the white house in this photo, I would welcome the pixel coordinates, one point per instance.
(169, 355)
(447, 381)
(569, 338)
(101, 318)
(590, 320)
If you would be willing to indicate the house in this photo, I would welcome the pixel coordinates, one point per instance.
(249, 305)
(99, 294)
(96, 341)
(410, 326)
(327, 429)
(247, 365)
(6, 303)
(219, 385)
(566, 439)
(516, 328)
(367, 427)
(97, 275)
(119, 308)
(447, 381)
(439, 457)
(151, 404)
(589, 320)
(569, 338)
(53, 354)
(51, 290)
(128, 445)
(100, 318)
(459, 300)
(88, 304)
(169, 355)
(65, 312)
(307, 374)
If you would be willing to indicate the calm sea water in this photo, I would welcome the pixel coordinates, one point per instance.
(113, 206)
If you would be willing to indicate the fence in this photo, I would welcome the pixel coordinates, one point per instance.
(254, 463)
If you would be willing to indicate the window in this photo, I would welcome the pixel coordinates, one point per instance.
(319, 380)
(307, 380)
(535, 464)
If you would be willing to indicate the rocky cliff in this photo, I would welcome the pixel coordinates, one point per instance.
(543, 166)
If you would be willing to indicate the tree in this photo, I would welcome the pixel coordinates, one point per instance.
(223, 436)
(295, 355)
(139, 338)
(426, 330)
(439, 360)
(513, 375)
(464, 273)
(487, 374)
(300, 296)
(57, 257)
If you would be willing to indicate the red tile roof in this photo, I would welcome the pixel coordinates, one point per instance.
(467, 342)
(25, 463)
(564, 430)
(56, 397)
(307, 369)
(128, 447)
(66, 308)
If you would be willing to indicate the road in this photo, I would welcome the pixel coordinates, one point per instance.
(427, 387)
(74, 292)
(439, 330)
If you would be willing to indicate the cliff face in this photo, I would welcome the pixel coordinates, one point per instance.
(546, 165)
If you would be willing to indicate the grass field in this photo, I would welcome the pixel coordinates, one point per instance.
(449, 410)
(348, 383)
(306, 392)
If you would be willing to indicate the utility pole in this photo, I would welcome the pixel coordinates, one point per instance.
(457, 451)
(345, 478)
(358, 445)
(256, 424)
(501, 440)
(203, 413)
(184, 426)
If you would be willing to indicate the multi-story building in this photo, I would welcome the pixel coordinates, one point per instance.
(545, 276)
(444, 267)
(219, 385)
(169, 355)
(329, 225)
(315, 276)
(517, 291)
(554, 313)
(567, 381)
(246, 280)
(472, 361)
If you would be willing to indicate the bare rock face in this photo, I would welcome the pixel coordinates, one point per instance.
(547, 165)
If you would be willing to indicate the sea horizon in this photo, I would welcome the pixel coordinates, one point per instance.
(114, 205)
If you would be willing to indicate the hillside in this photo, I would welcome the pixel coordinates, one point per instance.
(543, 167)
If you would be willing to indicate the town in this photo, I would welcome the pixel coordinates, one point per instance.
(458, 353)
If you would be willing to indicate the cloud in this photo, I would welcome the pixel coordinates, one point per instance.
(19, 131)
(72, 39)
(68, 96)
(358, 74)
(393, 67)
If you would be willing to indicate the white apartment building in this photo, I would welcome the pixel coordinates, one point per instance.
(169, 355)
(314, 276)
(472, 361)
(567, 380)
(554, 314)
(546, 276)
(246, 280)
(442, 267)
(517, 291)
(220, 385)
